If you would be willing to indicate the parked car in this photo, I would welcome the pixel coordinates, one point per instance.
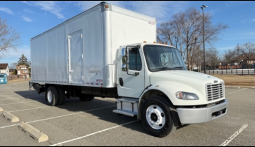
(3, 78)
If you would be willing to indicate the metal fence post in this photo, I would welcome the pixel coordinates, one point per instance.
(248, 70)
(236, 70)
(242, 69)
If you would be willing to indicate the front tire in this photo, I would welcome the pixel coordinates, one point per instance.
(156, 117)
(52, 96)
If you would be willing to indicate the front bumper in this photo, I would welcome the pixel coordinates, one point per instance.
(3, 81)
(201, 115)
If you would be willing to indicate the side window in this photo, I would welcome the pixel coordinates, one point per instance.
(134, 59)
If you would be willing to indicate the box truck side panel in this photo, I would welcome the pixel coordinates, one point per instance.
(71, 53)
(62, 60)
(51, 47)
(93, 49)
(38, 58)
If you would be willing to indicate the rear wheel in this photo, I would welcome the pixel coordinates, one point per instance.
(52, 96)
(86, 97)
(61, 94)
(156, 117)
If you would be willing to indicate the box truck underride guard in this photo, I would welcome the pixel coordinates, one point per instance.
(108, 51)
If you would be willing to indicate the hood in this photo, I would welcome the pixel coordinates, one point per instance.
(185, 76)
(172, 81)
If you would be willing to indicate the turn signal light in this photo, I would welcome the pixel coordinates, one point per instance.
(106, 6)
(144, 41)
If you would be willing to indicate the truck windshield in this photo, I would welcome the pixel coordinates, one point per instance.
(1, 76)
(163, 58)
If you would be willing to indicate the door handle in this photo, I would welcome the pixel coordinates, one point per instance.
(121, 81)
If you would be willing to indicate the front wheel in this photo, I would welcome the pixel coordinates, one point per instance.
(156, 117)
(52, 96)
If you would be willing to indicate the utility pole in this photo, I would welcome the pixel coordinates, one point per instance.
(203, 6)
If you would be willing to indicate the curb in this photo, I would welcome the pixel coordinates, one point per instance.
(12, 118)
(32, 132)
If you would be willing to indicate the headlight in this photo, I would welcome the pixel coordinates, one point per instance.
(186, 96)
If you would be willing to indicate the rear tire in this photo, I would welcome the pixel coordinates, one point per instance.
(61, 94)
(157, 117)
(86, 97)
(52, 96)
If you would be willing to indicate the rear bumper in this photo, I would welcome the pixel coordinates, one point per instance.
(201, 115)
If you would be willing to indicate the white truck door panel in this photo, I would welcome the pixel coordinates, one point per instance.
(75, 48)
(132, 85)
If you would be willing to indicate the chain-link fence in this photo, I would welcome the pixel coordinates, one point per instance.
(15, 77)
(231, 68)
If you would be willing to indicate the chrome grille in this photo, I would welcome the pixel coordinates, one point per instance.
(214, 92)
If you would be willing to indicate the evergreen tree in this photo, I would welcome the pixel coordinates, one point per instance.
(23, 60)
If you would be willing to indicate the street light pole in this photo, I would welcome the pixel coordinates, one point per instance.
(203, 6)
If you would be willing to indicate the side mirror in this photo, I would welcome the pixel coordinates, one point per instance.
(124, 60)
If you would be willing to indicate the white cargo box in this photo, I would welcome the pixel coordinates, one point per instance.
(82, 50)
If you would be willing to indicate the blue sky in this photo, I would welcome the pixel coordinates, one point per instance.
(32, 18)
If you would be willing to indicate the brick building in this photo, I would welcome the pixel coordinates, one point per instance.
(22, 70)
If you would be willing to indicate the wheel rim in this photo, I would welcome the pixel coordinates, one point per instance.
(49, 96)
(155, 117)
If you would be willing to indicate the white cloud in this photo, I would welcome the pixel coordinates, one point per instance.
(6, 10)
(26, 18)
(13, 56)
(26, 3)
(162, 10)
(50, 6)
(84, 5)
(28, 11)
(227, 5)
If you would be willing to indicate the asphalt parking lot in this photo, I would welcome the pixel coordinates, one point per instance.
(93, 123)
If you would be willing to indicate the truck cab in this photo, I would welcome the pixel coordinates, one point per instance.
(155, 85)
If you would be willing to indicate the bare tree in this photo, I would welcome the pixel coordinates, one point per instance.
(9, 37)
(185, 31)
(13, 65)
(212, 56)
(247, 50)
(230, 55)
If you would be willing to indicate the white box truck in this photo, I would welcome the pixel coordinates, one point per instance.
(108, 51)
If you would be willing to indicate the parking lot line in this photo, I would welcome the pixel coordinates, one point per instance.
(29, 101)
(225, 143)
(58, 116)
(8, 99)
(29, 109)
(238, 90)
(60, 143)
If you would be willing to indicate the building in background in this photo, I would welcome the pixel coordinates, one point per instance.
(4, 68)
(23, 70)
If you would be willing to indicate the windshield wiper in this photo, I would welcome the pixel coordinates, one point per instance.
(164, 68)
(179, 67)
(168, 68)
